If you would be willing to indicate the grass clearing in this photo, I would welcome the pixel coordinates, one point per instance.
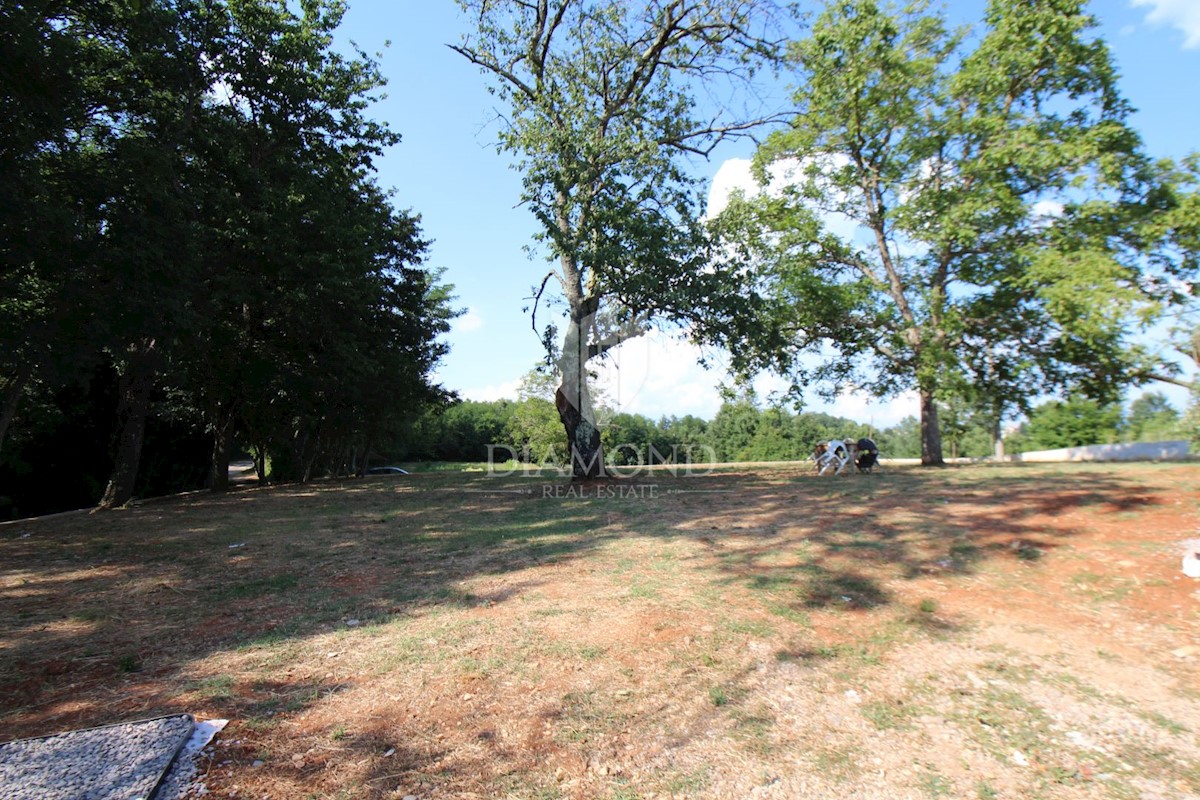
(968, 632)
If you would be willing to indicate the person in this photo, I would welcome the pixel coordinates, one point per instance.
(868, 455)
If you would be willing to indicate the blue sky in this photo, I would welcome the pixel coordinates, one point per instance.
(447, 169)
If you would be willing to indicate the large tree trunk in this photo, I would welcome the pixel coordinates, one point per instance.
(222, 441)
(574, 404)
(132, 410)
(260, 463)
(931, 434)
(13, 391)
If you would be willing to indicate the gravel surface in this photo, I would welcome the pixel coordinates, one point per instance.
(114, 762)
(181, 780)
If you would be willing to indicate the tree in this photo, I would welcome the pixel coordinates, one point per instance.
(733, 429)
(773, 438)
(41, 155)
(685, 439)
(1077, 422)
(602, 109)
(1151, 418)
(987, 189)
(206, 240)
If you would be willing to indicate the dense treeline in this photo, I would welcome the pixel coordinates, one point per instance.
(194, 252)
(529, 430)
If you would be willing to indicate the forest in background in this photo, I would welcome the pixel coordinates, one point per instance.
(195, 253)
(744, 430)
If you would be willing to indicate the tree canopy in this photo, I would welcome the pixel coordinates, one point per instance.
(963, 216)
(602, 109)
(193, 233)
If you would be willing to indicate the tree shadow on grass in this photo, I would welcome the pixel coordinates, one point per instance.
(812, 542)
(125, 605)
(90, 604)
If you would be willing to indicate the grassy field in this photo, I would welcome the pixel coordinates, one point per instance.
(758, 632)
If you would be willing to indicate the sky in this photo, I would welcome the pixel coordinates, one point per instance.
(447, 169)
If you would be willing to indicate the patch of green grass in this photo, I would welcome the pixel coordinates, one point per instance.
(587, 715)
(472, 667)
(402, 652)
(790, 614)
(1164, 764)
(1027, 552)
(934, 783)
(688, 784)
(927, 606)
(718, 696)
(257, 587)
(965, 553)
(1003, 721)
(1102, 588)
(985, 791)
(751, 627)
(890, 714)
(259, 724)
(216, 687)
(773, 583)
(648, 590)
(753, 728)
(1166, 723)
(837, 763)
(843, 590)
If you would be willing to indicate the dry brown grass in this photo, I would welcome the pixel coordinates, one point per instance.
(972, 632)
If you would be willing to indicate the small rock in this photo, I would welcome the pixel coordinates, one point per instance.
(1019, 759)
(258, 764)
(468, 696)
(1184, 652)
(352, 623)
(390, 752)
(1080, 740)
(853, 696)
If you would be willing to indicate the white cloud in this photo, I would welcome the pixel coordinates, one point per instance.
(500, 391)
(470, 321)
(877, 412)
(732, 175)
(1183, 14)
(1047, 208)
(657, 375)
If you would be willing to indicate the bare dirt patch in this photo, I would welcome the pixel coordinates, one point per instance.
(970, 632)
